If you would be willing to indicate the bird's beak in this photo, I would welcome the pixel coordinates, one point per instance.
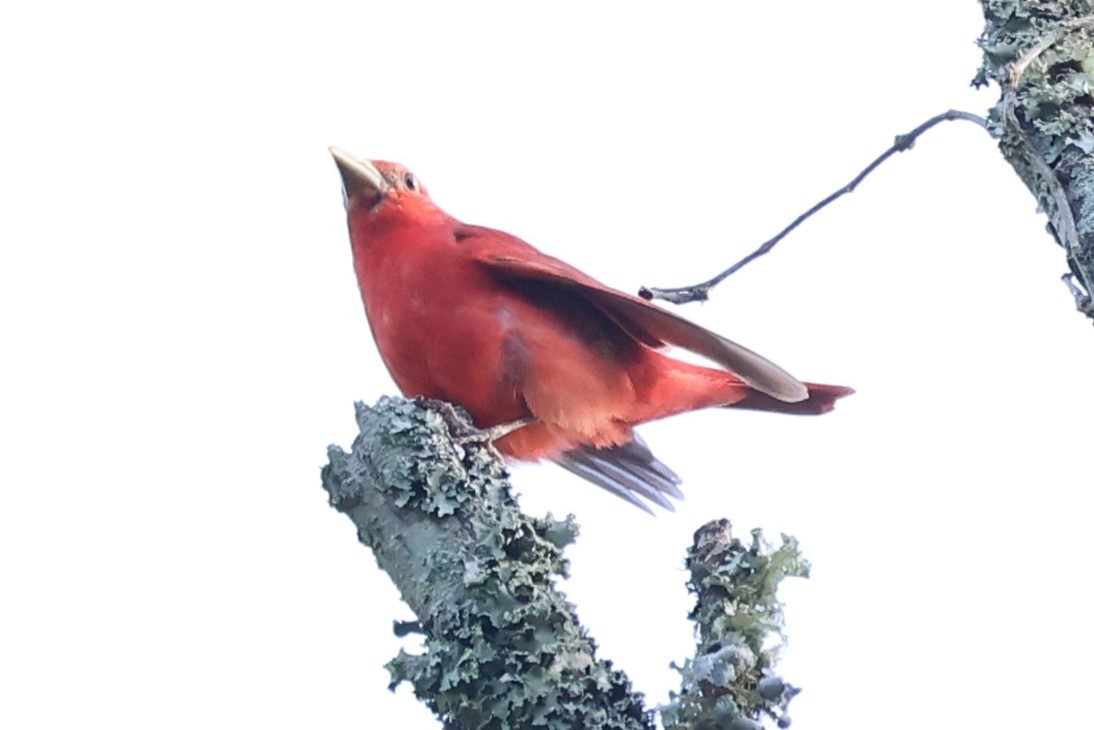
(360, 177)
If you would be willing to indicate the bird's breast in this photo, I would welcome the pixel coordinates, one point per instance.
(445, 330)
(448, 329)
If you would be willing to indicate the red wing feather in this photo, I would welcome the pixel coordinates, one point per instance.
(644, 321)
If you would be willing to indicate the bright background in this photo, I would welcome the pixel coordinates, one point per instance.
(183, 338)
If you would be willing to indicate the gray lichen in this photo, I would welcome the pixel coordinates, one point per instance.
(503, 648)
(1041, 53)
(731, 682)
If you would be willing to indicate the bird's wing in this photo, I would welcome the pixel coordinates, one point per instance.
(513, 259)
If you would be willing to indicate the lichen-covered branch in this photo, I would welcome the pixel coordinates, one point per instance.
(731, 683)
(503, 648)
(1041, 53)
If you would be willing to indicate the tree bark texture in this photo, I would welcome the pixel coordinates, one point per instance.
(503, 648)
(1041, 53)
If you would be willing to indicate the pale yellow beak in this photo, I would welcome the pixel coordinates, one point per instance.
(359, 176)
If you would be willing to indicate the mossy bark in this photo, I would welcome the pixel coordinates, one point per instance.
(503, 648)
(731, 683)
(1041, 53)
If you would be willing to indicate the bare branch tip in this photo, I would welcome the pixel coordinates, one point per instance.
(902, 143)
(681, 295)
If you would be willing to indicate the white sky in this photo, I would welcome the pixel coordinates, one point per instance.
(183, 338)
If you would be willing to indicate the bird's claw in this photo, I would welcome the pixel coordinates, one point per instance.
(464, 431)
(492, 434)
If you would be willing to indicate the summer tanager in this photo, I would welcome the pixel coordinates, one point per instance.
(478, 317)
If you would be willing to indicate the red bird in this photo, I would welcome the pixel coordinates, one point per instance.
(480, 318)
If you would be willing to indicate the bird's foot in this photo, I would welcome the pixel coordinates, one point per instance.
(492, 434)
(464, 431)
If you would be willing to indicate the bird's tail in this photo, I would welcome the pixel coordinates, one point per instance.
(822, 398)
(629, 470)
(684, 386)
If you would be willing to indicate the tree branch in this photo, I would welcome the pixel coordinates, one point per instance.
(731, 683)
(503, 647)
(1041, 53)
(903, 142)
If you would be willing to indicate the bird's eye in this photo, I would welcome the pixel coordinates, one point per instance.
(411, 182)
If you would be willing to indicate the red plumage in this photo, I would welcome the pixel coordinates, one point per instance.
(480, 318)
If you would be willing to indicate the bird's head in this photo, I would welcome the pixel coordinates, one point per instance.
(380, 194)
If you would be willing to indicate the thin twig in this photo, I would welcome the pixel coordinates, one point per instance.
(701, 292)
